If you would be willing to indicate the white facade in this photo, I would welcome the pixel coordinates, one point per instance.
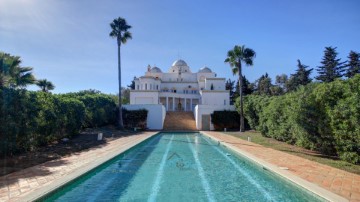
(180, 89)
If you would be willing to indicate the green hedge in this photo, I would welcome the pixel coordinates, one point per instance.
(320, 116)
(225, 119)
(32, 119)
(135, 118)
(100, 109)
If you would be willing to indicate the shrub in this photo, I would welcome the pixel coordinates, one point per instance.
(99, 108)
(225, 119)
(135, 118)
(319, 116)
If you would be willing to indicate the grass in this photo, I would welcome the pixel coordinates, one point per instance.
(332, 161)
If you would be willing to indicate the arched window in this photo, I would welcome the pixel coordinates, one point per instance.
(146, 86)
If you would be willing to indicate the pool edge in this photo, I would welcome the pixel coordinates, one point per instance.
(43, 191)
(311, 187)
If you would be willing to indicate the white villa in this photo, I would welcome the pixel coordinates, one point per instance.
(180, 90)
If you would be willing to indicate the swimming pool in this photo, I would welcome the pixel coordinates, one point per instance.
(180, 167)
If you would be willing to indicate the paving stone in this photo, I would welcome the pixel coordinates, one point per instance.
(338, 181)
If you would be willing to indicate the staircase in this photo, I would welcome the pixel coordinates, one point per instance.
(179, 121)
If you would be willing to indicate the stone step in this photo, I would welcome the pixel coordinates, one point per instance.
(179, 121)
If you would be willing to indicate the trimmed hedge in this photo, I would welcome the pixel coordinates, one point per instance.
(31, 119)
(135, 118)
(320, 116)
(225, 119)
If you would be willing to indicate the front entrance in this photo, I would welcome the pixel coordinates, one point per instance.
(179, 104)
(205, 122)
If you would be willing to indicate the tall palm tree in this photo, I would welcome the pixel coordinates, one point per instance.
(235, 57)
(12, 74)
(119, 30)
(45, 85)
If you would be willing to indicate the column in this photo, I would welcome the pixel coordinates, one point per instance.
(184, 104)
(173, 103)
(167, 103)
(191, 107)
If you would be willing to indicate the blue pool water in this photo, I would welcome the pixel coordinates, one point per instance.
(180, 167)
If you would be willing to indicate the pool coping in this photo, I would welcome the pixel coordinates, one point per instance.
(43, 191)
(311, 187)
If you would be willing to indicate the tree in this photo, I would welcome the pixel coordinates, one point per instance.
(247, 88)
(12, 74)
(300, 78)
(132, 85)
(119, 30)
(353, 64)
(229, 85)
(125, 95)
(331, 67)
(264, 85)
(281, 81)
(45, 85)
(235, 57)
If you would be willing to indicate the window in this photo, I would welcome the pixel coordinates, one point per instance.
(137, 87)
(150, 86)
(224, 102)
(157, 87)
(146, 86)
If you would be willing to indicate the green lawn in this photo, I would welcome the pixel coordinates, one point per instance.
(256, 137)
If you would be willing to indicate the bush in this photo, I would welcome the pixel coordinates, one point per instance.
(99, 108)
(320, 116)
(31, 119)
(226, 119)
(135, 118)
(253, 109)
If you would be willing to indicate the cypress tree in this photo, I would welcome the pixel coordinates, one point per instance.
(331, 67)
(353, 64)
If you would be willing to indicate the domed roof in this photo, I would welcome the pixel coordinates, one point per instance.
(179, 66)
(205, 70)
(179, 63)
(155, 70)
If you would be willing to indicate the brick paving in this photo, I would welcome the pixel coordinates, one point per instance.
(16, 186)
(332, 179)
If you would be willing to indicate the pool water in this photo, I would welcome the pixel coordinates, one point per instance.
(180, 167)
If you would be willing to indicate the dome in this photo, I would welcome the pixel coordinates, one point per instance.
(155, 70)
(179, 66)
(179, 63)
(205, 70)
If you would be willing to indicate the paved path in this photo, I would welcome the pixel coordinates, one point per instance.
(337, 181)
(28, 183)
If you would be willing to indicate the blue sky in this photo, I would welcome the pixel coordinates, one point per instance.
(68, 43)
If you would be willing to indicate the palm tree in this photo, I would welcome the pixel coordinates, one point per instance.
(234, 58)
(12, 74)
(45, 85)
(119, 30)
